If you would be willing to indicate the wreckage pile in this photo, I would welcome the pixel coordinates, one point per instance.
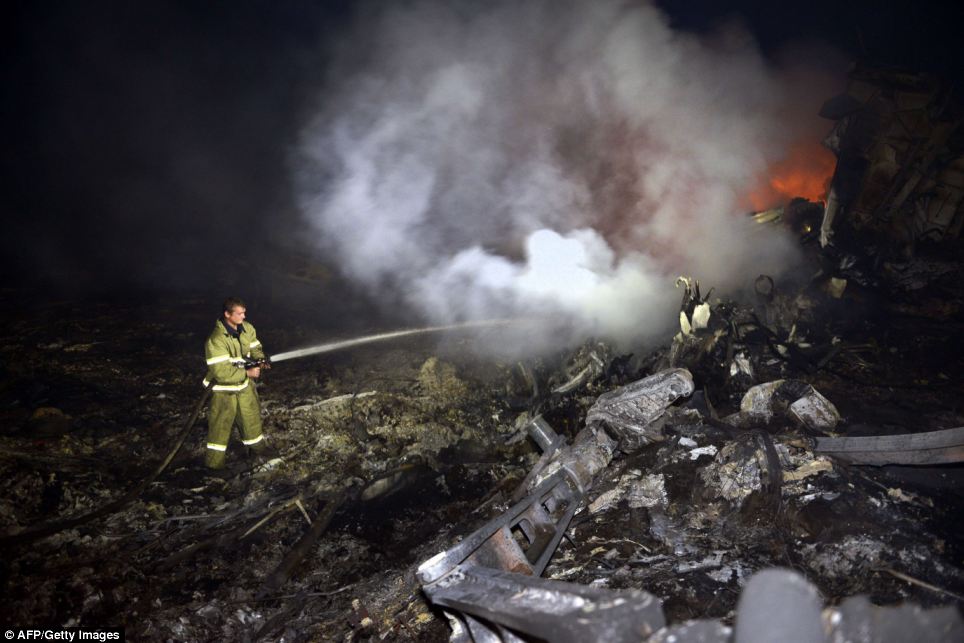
(693, 480)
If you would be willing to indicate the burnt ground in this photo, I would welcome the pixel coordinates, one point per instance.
(94, 395)
(425, 441)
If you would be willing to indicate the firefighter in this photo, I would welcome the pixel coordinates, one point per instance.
(234, 399)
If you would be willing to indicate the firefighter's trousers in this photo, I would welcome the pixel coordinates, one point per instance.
(227, 409)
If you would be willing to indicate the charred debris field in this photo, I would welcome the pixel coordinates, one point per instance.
(392, 453)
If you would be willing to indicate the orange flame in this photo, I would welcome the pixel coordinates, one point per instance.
(804, 172)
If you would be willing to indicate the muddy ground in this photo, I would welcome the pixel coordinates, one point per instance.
(424, 441)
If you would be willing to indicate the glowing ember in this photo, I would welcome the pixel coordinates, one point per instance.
(805, 172)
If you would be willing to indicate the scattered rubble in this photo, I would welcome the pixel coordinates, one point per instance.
(755, 476)
(791, 398)
(632, 413)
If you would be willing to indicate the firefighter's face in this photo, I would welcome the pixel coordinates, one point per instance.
(236, 316)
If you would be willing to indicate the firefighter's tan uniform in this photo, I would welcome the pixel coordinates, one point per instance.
(234, 399)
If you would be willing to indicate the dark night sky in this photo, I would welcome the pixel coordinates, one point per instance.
(146, 141)
(149, 139)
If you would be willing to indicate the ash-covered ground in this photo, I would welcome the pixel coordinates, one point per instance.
(420, 441)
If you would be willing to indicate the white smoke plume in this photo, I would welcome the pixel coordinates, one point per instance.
(544, 157)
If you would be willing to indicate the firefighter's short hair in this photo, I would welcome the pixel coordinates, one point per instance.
(231, 303)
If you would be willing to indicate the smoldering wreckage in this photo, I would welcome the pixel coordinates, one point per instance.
(751, 481)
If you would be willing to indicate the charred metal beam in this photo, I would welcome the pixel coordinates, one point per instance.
(488, 583)
(522, 539)
(498, 606)
(550, 442)
(932, 447)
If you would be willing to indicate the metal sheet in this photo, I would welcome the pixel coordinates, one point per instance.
(931, 447)
(546, 609)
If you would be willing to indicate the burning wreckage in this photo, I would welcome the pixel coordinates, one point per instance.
(748, 482)
(899, 182)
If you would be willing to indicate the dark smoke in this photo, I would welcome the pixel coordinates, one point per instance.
(147, 140)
